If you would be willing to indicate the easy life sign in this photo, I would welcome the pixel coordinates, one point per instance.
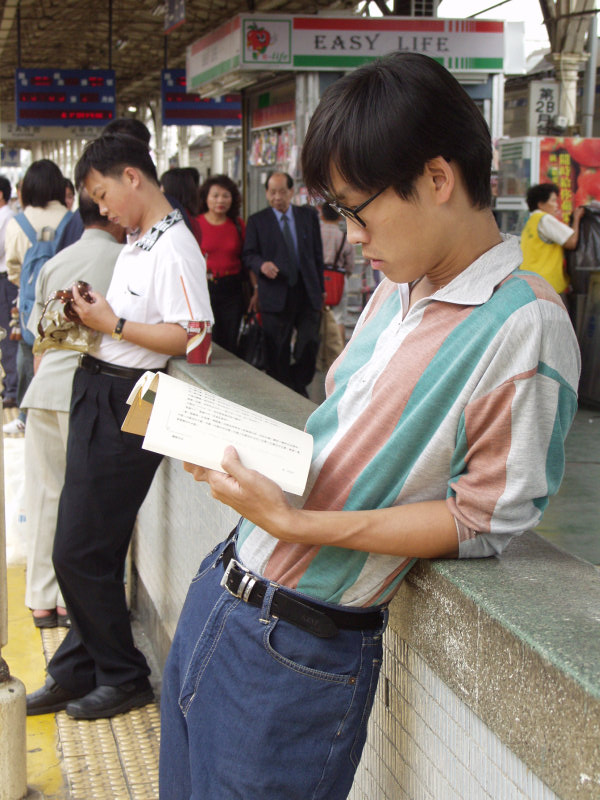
(252, 42)
(65, 97)
(181, 108)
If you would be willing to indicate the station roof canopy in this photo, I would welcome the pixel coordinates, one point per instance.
(125, 35)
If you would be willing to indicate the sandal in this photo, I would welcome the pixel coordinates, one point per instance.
(48, 621)
(63, 620)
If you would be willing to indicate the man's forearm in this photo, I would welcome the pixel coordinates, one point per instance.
(168, 338)
(416, 530)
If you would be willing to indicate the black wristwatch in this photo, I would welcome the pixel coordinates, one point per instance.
(118, 331)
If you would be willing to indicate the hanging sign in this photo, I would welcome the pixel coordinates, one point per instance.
(64, 97)
(251, 42)
(174, 15)
(543, 106)
(182, 108)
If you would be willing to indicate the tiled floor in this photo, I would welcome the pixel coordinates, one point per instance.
(572, 520)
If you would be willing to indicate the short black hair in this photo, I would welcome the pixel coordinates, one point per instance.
(69, 185)
(289, 179)
(226, 183)
(5, 189)
(328, 213)
(90, 211)
(43, 182)
(179, 183)
(540, 193)
(380, 125)
(194, 173)
(130, 126)
(110, 154)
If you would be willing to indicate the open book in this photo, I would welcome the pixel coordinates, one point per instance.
(183, 421)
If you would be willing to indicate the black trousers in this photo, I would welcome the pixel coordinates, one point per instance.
(227, 303)
(8, 293)
(106, 480)
(296, 369)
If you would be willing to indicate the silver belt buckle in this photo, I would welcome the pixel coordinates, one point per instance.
(246, 584)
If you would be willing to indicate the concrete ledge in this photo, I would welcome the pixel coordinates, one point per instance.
(518, 639)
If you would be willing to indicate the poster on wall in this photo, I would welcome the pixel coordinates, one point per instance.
(573, 164)
(272, 147)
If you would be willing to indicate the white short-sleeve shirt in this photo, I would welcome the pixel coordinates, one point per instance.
(148, 286)
(552, 231)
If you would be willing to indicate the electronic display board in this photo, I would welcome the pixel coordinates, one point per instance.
(181, 108)
(65, 97)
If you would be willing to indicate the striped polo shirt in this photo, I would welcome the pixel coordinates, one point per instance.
(467, 397)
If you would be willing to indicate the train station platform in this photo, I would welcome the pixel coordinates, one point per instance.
(118, 758)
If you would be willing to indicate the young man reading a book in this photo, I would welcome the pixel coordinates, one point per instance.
(441, 436)
(97, 671)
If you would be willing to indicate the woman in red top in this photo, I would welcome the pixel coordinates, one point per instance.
(222, 239)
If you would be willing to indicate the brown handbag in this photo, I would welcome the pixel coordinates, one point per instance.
(60, 327)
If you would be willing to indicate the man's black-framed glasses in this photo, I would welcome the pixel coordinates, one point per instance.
(352, 213)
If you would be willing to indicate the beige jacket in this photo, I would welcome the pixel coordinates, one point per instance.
(16, 243)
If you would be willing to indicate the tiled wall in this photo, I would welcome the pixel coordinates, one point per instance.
(424, 743)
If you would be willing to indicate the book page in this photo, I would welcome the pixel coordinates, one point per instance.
(196, 426)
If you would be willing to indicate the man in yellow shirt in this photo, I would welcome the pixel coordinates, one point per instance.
(544, 236)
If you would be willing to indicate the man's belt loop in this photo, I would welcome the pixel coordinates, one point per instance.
(266, 610)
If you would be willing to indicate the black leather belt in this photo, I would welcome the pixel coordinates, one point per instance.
(214, 279)
(95, 366)
(310, 617)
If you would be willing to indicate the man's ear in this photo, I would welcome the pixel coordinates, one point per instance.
(131, 175)
(442, 178)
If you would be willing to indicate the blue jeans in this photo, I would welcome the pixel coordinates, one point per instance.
(254, 707)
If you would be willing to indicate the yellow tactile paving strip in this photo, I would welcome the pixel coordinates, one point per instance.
(25, 659)
(114, 759)
(108, 759)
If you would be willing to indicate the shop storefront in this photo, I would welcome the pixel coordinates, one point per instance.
(282, 65)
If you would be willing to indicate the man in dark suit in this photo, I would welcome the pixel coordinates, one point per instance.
(283, 248)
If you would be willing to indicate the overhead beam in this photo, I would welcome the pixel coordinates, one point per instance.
(9, 14)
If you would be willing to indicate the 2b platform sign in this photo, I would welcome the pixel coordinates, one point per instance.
(181, 108)
(543, 107)
(65, 97)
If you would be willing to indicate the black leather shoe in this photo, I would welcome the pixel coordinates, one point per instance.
(106, 701)
(49, 699)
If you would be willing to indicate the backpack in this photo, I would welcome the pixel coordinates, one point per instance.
(41, 250)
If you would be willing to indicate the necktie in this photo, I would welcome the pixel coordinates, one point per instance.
(289, 243)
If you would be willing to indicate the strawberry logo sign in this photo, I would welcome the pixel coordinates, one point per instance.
(266, 41)
(257, 39)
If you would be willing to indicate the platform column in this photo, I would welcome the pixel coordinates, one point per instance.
(13, 769)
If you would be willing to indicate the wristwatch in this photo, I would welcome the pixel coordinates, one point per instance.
(118, 331)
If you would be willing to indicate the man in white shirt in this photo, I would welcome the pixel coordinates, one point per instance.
(97, 671)
(8, 294)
